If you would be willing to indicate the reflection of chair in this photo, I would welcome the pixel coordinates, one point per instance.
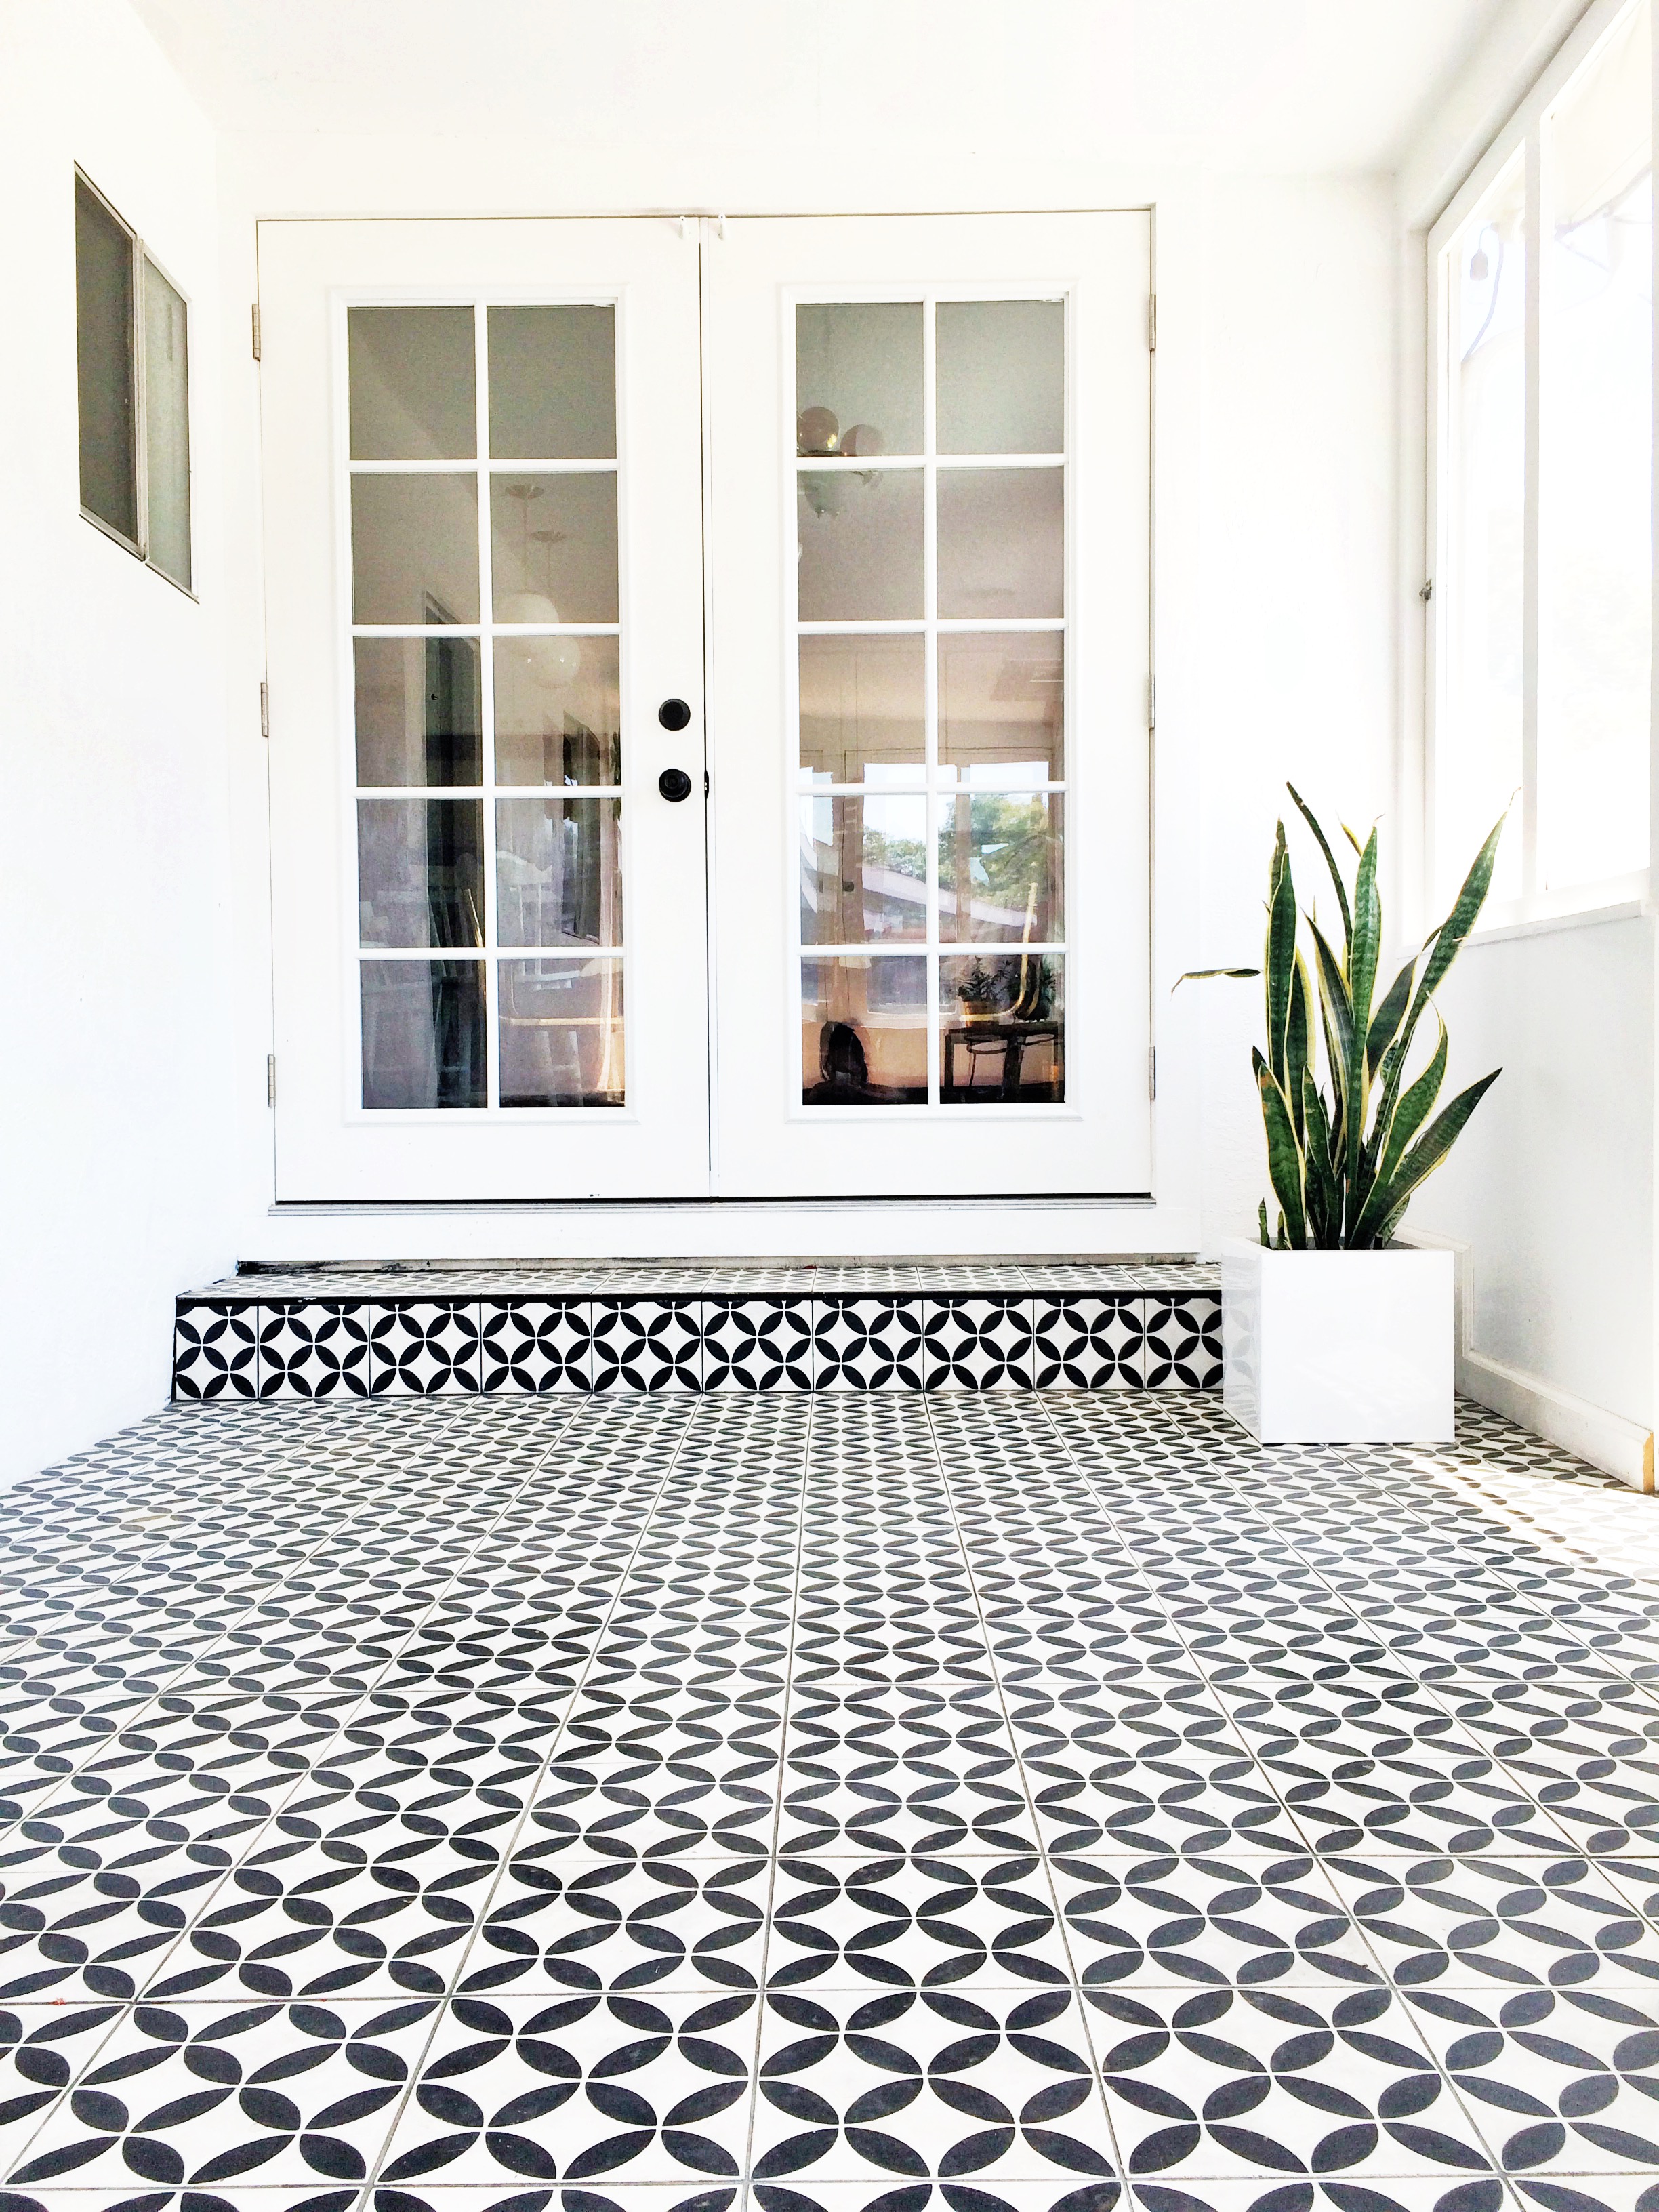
(996, 1054)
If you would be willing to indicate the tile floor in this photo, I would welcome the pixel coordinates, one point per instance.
(1033, 1803)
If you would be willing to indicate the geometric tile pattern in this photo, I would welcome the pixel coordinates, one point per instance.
(859, 1336)
(644, 1800)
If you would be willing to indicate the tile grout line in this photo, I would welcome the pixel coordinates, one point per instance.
(1076, 1985)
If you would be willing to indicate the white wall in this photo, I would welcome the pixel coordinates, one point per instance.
(113, 1104)
(1551, 1193)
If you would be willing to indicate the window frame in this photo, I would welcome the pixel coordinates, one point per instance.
(143, 259)
(1522, 133)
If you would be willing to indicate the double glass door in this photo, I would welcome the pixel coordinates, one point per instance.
(867, 919)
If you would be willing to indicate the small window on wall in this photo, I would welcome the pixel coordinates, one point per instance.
(131, 333)
(1544, 488)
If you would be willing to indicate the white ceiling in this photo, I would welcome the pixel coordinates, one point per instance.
(1286, 85)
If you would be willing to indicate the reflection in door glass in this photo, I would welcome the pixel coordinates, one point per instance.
(418, 711)
(864, 1031)
(561, 1033)
(558, 710)
(1002, 1029)
(423, 1033)
(523, 694)
(935, 808)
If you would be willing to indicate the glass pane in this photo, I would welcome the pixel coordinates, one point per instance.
(553, 383)
(553, 544)
(103, 326)
(423, 1033)
(1002, 1034)
(419, 870)
(1001, 542)
(860, 545)
(1595, 463)
(857, 378)
(417, 710)
(1001, 707)
(558, 710)
(864, 1031)
(863, 870)
(561, 1033)
(412, 384)
(862, 709)
(166, 428)
(558, 871)
(414, 549)
(1477, 741)
(1001, 366)
(999, 869)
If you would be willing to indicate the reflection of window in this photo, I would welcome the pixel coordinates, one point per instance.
(1544, 500)
(133, 383)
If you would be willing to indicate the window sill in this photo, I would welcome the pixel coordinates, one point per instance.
(1628, 900)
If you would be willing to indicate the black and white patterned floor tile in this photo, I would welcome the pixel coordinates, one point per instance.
(657, 1799)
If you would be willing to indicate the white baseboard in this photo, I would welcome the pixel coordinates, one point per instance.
(1609, 1441)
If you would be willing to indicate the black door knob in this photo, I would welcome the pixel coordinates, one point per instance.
(675, 784)
(674, 714)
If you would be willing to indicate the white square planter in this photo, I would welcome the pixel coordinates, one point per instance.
(1338, 1348)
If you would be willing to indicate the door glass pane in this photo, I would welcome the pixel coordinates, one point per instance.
(1596, 415)
(863, 870)
(423, 1033)
(553, 548)
(558, 871)
(412, 382)
(420, 872)
(863, 709)
(417, 711)
(999, 868)
(857, 378)
(1477, 737)
(166, 428)
(414, 549)
(1001, 542)
(558, 710)
(1002, 1029)
(553, 383)
(561, 1033)
(1001, 707)
(860, 545)
(103, 328)
(1002, 376)
(864, 1031)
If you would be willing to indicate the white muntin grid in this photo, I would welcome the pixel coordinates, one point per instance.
(935, 787)
(484, 470)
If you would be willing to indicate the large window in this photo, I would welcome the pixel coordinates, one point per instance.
(1544, 272)
(133, 378)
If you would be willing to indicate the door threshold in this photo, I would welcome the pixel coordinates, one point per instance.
(963, 1201)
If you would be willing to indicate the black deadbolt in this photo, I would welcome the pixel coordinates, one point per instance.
(674, 714)
(674, 783)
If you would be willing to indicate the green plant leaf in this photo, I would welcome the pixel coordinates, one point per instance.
(1324, 1192)
(1347, 1052)
(1431, 1148)
(1206, 975)
(1447, 939)
(1261, 1220)
(1306, 812)
(1280, 955)
(1387, 1019)
(1298, 1040)
(1284, 1156)
(1390, 1138)
(1366, 946)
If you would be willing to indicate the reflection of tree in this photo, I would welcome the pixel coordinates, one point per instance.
(1004, 854)
(905, 856)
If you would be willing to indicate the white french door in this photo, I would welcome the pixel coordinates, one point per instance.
(929, 474)
(484, 529)
(887, 480)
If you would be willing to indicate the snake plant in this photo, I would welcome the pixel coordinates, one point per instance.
(1344, 1167)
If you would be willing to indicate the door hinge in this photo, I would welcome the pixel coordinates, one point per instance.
(1151, 702)
(1151, 324)
(256, 330)
(270, 1079)
(1427, 592)
(705, 783)
(265, 710)
(1152, 1071)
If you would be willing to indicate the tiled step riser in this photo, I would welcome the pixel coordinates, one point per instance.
(376, 1347)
